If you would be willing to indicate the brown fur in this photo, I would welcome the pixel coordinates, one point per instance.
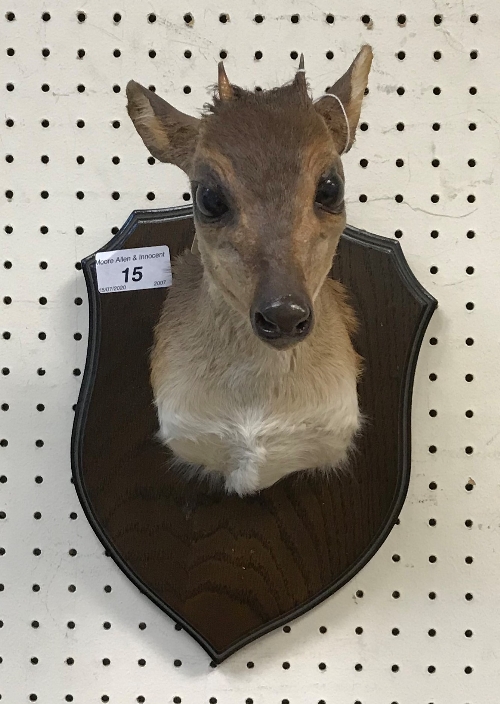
(266, 152)
(187, 319)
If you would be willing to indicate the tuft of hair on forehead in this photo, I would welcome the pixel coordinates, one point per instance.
(290, 95)
(268, 120)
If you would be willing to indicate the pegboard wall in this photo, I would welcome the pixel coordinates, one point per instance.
(419, 623)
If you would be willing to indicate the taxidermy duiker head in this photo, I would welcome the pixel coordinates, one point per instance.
(268, 189)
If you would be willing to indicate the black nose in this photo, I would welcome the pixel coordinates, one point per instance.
(286, 319)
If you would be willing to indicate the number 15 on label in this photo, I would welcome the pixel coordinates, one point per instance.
(136, 274)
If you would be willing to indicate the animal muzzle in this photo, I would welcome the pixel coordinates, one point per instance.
(282, 321)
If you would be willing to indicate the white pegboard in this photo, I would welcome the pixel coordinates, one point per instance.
(419, 623)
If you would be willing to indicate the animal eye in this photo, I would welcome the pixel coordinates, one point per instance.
(330, 192)
(210, 203)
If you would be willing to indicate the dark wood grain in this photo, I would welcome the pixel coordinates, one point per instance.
(229, 569)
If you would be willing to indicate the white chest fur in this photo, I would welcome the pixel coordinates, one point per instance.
(257, 443)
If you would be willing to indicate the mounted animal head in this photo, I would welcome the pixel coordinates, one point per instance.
(268, 188)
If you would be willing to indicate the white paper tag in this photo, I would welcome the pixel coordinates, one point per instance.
(133, 269)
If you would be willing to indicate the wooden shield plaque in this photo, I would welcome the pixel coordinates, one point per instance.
(230, 569)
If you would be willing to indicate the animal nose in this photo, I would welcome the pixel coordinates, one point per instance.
(283, 318)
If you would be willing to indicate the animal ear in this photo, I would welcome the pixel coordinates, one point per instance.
(349, 90)
(170, 135)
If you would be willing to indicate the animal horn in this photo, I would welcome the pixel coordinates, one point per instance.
(300, 76)
(225, 88)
